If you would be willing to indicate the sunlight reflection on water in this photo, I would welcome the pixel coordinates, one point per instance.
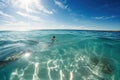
(71, 57)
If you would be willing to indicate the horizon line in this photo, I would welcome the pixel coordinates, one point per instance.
(63, 29)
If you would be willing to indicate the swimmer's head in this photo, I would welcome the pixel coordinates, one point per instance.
(53, 36)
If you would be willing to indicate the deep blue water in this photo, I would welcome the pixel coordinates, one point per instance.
(74, 55)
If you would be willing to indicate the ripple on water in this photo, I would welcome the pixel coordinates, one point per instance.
(71, 57)
(103, 67)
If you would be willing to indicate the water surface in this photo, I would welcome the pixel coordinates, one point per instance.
(75, 55)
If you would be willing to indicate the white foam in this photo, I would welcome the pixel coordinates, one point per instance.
(71, 75)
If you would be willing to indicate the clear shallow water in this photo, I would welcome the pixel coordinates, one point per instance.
(75, 55)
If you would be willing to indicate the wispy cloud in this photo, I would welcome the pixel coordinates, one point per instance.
(2, 5)
(103, 17)
(5, 14)
(60, 4)
(19, 26)
(28, 16)
(31, 6)
(71, 27)
(42, 8)
(20, 23)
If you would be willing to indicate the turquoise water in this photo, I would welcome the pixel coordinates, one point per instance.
(75, 55)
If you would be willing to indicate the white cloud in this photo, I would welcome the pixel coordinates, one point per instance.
(2, 5)
(98, 18)
(25, 26)
(42, 8)
(5, 14)
(16, 26)
(30, 6)
(103, 17)
(28, 16)
(60, 4)
(70, 27)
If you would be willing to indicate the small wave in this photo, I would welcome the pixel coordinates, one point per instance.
(73, 56)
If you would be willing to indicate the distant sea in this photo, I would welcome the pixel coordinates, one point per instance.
(74, 55)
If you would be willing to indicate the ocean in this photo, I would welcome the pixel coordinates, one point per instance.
(73, 55)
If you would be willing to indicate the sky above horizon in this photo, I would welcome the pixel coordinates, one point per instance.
(59, 14)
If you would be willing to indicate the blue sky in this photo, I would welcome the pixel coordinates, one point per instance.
(59, 14)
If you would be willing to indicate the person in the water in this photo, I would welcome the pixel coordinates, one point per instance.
(53, 38)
